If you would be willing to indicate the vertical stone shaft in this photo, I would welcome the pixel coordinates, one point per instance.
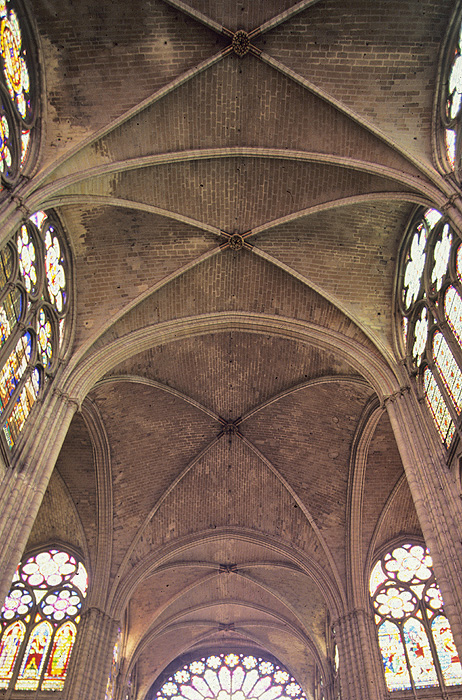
(436, 500)
(360, 676)
(91, 657)
(23, 487)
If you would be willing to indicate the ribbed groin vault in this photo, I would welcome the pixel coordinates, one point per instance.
(233, 433)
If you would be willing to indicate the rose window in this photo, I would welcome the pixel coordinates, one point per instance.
(229, 676)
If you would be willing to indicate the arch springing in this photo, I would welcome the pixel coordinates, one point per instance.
(430, 307)
(34, 304)
(414, 635)
(39, 619)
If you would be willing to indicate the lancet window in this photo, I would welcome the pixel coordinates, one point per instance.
(18, 90)
(430, 305)
(231, 675)
(112, 679)
(39, 620)
(34, 303)
(414, 635)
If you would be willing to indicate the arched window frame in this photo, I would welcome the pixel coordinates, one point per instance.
(185, 662)
(45, 317)
(422, 313)
(20, 105)
(32, 605)
(431, 607)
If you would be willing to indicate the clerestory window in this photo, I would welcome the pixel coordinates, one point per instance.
(414, 635)
(39, 619)
(34, 304)
(430, 308)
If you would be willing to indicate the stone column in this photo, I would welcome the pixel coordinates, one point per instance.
(436, 499)
(361, 677)
(25, 481)
(91, 657)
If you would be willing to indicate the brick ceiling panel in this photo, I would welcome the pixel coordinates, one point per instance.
(143, 45)
(307, 436)
(351, 252)
(239, 14)
(120, 253)
(229, 487)
(378, 58)
(158, 437)
(240, 371)
(246, 103)
(237, 194)
(400, 518)
(236, 281)
(76, 466)
(58, 519)
(384, 469)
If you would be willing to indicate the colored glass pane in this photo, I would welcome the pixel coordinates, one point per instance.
(414, 266)
(393, 657)
(432, 216)
(395, 602)
(409, 563)
(441, 257)
(27, 261)
(419, 654)
(10, 313)
(453, 311)
(44, 335)
(48, 569)
(6, 266)
(231, 677)
(449, 369)
(5, 148)
(14, 368)
(58, 662)
(60, 604)
(450, 140)
(447, 652)
(56, 277)
(25, 142)
(10, 644)
(420, 336)
(17, 603)
(459, 262)
(34, 657)
(110, 686)
(438, 407)
(22, 408)
(377, 578)
(14, 60)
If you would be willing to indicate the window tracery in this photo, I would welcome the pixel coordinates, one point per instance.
(34, 304)
(430, 307)
(230, 676)
(39, 619)
(18, 90)
(414, 635)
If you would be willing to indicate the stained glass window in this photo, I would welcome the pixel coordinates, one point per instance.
(38, 621)
(234, 676)
(111, 681)
(33, 295)
(18, 81)
(415, 637)
(452, 102)
(430, 305)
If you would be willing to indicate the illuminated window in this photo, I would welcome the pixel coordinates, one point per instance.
(39, 619)
(111, 681)
(18, 87)
(33, 308)
(229, 675)
(415, 637)
(430, 306)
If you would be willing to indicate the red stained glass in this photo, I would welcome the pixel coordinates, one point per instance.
(55, 673)
(10, 644)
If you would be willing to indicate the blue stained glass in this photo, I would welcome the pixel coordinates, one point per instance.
(14, 368)
(393, 657)
(420, 656)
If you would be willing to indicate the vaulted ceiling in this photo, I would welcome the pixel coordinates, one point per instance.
(232, 470)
